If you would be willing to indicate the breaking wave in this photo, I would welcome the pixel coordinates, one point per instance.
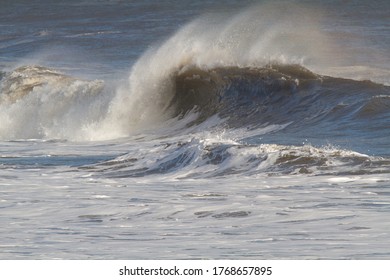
(245, 74)
(38, 102)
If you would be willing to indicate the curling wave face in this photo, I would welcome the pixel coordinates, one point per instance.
(275, 94)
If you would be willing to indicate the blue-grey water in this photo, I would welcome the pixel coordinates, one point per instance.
(194, 129)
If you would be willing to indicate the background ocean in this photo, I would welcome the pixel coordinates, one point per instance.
(194, 129)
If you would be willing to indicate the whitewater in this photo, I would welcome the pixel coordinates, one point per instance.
(181, 130)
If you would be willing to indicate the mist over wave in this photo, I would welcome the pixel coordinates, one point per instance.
(254, 37)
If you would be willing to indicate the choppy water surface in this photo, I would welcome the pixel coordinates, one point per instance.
(143, 130)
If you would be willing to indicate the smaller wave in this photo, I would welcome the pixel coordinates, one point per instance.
(212, 158)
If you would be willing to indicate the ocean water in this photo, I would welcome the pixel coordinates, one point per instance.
(194, 129)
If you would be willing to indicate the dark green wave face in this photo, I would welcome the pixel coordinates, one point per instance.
(316, 107)
(245, 91)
